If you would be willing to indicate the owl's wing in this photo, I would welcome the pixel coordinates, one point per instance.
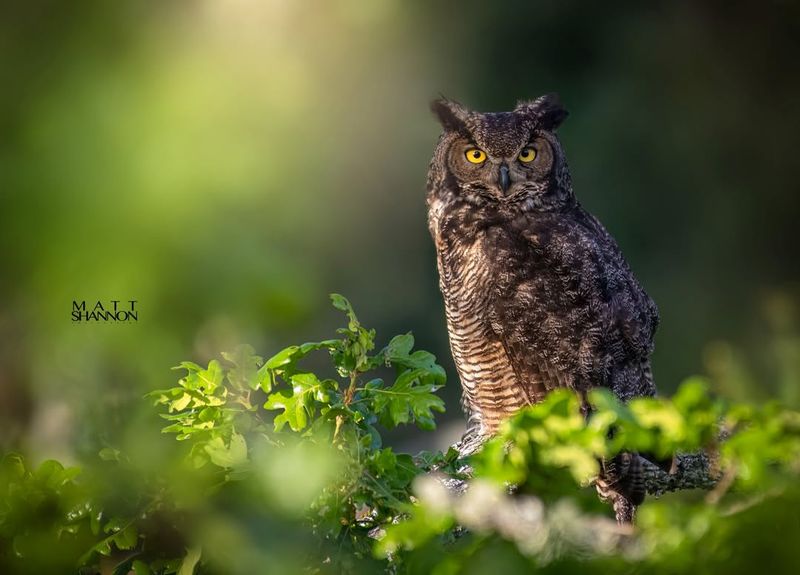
(567, 308)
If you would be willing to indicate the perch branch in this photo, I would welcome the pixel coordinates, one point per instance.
(692, 471)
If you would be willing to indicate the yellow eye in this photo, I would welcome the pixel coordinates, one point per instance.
(527, 155)
(476, 156)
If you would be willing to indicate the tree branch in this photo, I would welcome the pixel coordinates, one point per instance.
(692, 471)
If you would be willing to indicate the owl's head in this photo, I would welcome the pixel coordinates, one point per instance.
(512, 159)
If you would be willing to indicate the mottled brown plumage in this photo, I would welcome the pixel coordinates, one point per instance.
(537, 293)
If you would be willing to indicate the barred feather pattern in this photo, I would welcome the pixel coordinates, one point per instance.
(491, 389)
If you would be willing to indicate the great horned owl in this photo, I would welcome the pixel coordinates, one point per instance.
(537, 293)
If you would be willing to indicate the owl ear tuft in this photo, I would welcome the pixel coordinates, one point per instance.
(451, 114)
(546, 110)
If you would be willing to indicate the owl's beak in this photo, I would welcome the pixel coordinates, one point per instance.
(505, 180)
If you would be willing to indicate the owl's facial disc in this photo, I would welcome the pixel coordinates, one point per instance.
(502, 176)
(511, 159)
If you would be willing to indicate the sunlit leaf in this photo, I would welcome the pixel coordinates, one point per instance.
(244, 373)
(190, 561)
(230, 456)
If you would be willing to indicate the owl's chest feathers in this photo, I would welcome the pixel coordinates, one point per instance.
(464, 274)
(491, 388)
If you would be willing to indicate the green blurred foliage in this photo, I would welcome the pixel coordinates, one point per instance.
(280, 470)
(315, 470)
(226, 164)
(549, 453)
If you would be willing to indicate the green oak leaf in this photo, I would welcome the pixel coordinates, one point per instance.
(198, 378)
(299, 404)
(244, 373)
(229, 456)
(408, 400)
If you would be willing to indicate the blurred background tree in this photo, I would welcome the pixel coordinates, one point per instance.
(226, 163)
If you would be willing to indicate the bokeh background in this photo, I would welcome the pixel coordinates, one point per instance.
(227, 164)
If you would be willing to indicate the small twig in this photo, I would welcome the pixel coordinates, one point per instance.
(724, 483)
(346, 400)
(339, 420)
(740, 506)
